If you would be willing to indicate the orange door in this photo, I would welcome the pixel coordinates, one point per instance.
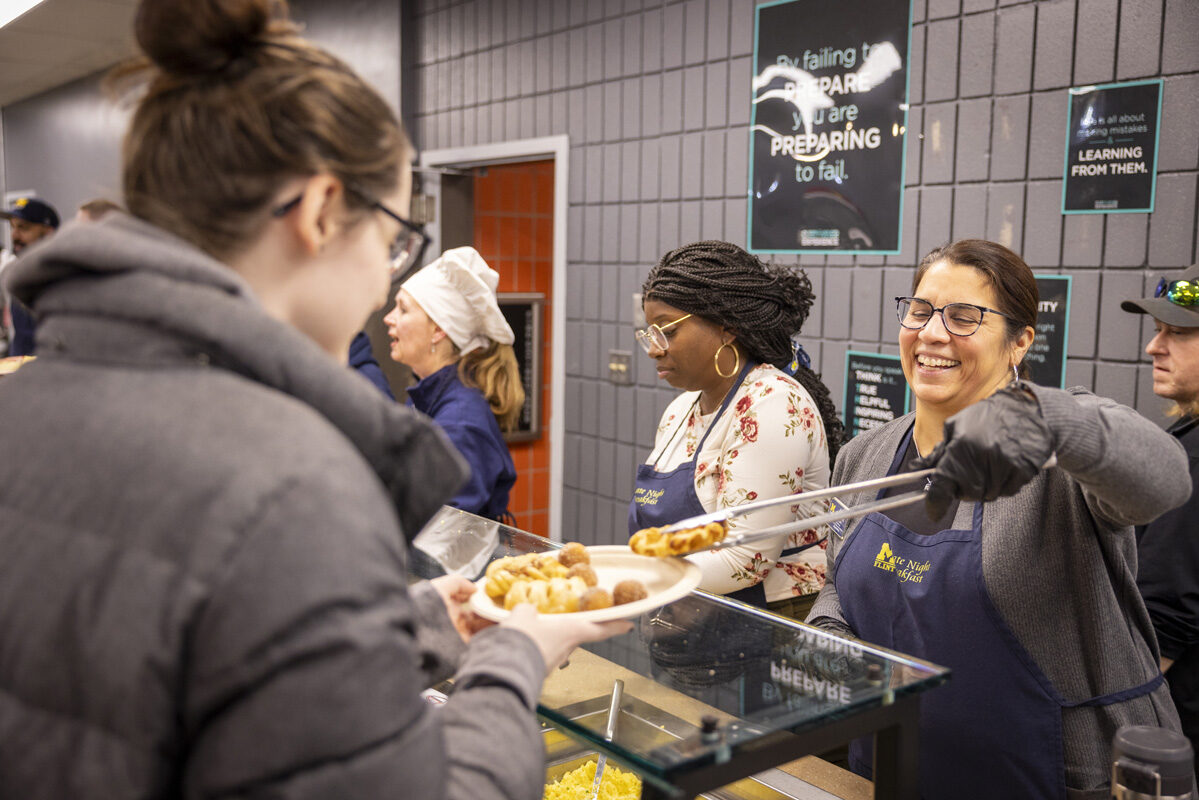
(514, 232)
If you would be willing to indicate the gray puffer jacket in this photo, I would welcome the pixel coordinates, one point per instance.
(202, 556)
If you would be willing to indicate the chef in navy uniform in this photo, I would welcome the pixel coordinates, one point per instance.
(753, 422)
(447, 327)
(1019, 577)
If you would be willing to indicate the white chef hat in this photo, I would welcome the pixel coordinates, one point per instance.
(457, 291)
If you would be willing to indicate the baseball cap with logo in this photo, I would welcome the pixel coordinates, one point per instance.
(1175, 301)
(31, 209)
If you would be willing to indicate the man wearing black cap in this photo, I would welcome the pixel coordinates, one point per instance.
(31, 219)
(1168, 547)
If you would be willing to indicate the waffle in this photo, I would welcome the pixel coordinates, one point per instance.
(654, 542)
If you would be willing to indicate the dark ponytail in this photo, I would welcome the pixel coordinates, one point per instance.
(763, 304)
(834, 430)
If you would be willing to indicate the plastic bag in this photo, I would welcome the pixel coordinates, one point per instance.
(461, 543)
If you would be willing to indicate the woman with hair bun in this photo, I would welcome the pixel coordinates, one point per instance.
(754, 420)
(203, 589)
(448, 329)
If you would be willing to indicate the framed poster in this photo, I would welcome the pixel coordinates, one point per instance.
(524, 311)
(1046, 359)
(876, 391)
(828, 125)
(1111, 148)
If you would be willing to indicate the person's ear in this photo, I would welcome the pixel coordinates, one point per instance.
(315, 221)
(1024, 342)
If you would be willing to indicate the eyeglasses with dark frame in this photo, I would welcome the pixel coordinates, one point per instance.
(960, 319)
(406, 248)
(1180, 293)
(655, 335)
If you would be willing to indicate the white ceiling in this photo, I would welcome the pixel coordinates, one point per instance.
(62, 40)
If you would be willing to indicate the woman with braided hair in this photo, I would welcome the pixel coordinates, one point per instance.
(753, 422)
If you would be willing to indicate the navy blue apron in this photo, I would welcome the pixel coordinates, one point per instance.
(995, 730)
(662, 498)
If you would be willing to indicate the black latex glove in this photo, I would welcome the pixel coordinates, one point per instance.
(990, 450)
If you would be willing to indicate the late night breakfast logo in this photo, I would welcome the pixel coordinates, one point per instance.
(906, 569)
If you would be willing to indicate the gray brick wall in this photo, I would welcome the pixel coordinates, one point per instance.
(655, 97)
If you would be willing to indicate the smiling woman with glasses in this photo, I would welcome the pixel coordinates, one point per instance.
(1019, 573)
(753, 421)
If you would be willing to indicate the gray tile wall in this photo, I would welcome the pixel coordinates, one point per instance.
(655, 98)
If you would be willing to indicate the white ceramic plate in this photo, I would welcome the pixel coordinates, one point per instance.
(665, 579)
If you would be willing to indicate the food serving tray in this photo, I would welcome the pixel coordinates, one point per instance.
(647, 726)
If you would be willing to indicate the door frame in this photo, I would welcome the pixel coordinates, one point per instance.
(557, 149)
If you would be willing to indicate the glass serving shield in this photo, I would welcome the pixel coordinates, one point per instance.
(457, 543)
(717, 690)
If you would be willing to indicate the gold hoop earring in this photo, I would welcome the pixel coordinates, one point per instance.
(736, 354)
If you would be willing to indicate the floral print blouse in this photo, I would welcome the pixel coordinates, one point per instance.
(770, 442)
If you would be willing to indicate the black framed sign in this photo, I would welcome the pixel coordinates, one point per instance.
(1046, 359)
(1111, 148)
(524, 310)
(876, 391)
(828, 124)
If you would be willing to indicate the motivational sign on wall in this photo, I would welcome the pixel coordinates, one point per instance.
(876, 391)
(1111, 148)
(828, 126)
(1046, 359)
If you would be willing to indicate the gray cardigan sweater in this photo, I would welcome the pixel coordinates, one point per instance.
(202, 556)
(1059, 561)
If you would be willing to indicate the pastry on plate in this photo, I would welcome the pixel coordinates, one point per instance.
(554, 583)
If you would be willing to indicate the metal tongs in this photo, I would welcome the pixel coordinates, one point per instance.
(609, 732)
(733, 540)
